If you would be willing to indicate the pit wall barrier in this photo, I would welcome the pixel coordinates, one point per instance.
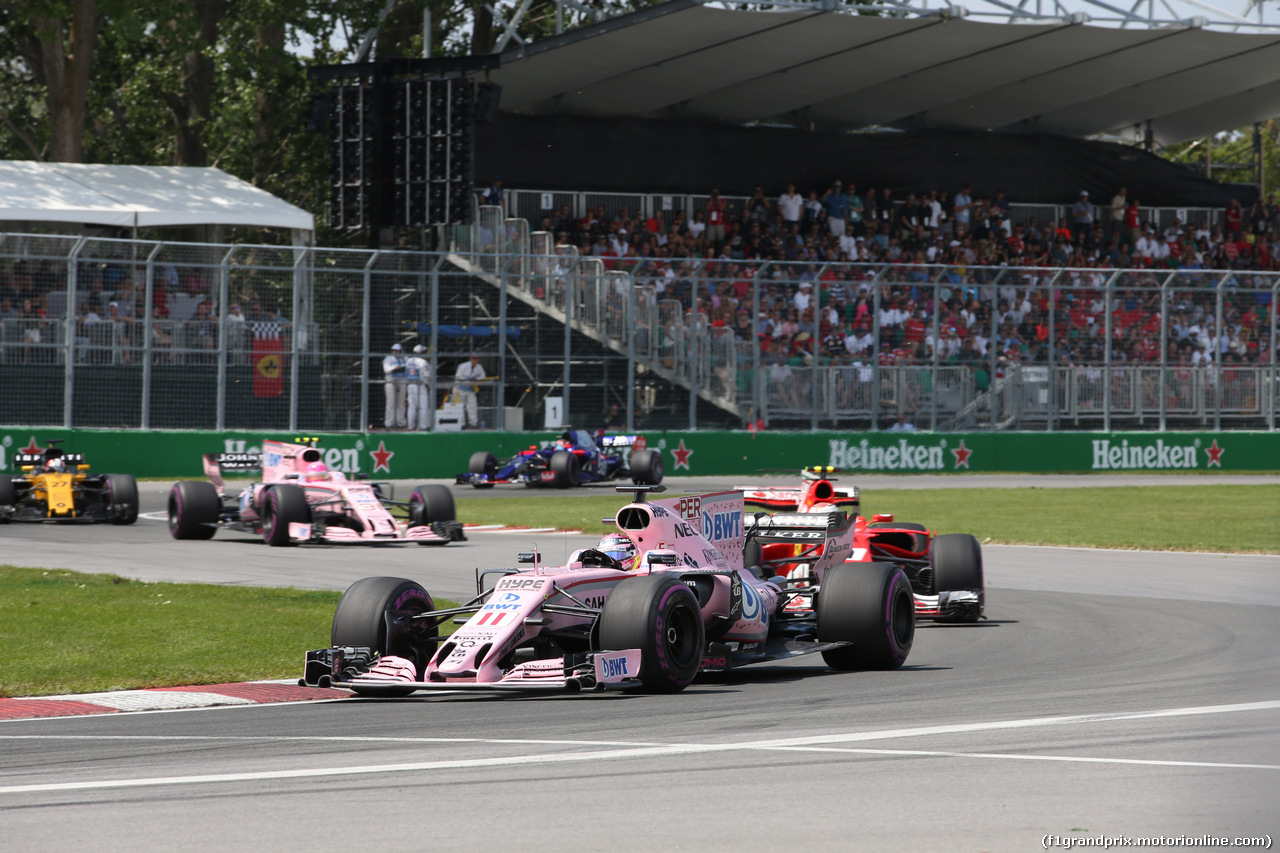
(176, 454)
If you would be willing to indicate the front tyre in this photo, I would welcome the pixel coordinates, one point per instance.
(869, 605)
(429, 504)
(194, 507)
(660, 616)
(122, 493)
(956, 559)
(566, 469)
(360, 620)
(483, 462)
(283, 505)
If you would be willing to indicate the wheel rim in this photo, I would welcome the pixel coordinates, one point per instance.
(268, 518)
(680, 636)
(175, 511)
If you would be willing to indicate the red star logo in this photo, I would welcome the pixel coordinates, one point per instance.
(682, 455)
(962, 455)
(31, 447)
(382, 458)
(1215, 454)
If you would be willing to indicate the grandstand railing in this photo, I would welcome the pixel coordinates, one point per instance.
(683, 344)
(532, 206)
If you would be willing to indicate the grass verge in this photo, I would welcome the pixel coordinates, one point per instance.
(68, 632)
(1167, 518)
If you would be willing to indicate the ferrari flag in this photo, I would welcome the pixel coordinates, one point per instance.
(268, 362)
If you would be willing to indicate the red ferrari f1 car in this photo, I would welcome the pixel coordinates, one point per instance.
(301, 501)
(945, 571)
(687, 607)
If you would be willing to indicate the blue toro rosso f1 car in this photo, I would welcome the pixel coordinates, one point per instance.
(578, 456)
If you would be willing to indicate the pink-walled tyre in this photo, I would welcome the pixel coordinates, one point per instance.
(284, 504)
(870, 606)
(360, 620)
(194, 508)
(660, 616)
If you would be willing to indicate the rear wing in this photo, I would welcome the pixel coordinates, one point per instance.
(795, 526)
(216, 463)
(622, 441)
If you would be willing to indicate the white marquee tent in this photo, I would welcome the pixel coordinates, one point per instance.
(141, 197)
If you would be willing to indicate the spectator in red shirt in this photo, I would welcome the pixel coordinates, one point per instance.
(715, 219)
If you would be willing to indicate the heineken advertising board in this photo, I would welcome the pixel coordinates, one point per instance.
(401, 455)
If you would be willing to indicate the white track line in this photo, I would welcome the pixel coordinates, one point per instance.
(629, 752)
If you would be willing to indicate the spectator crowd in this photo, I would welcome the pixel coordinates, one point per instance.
(957, 277)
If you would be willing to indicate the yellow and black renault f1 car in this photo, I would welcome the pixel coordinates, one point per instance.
(57, 486)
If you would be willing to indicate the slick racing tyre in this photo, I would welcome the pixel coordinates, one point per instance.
(956, 559)
(360, 620)
(646, 467)
(660, 616)
(122, 490)
(566, 468)
(284, 504)
(483, 462)
(429, 504)
(871, 606)
(8, 496)
(194, 507)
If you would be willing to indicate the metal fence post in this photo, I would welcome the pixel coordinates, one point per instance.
(1164, 350)
(1271, 342)
(434, 313)
(503, 275)
(1217, 354)
(691, 338)
(298, 325)
(1051, 355)
(366, 306)
(1108, 291)
(69, 332)
(224, 291)
(148, 337)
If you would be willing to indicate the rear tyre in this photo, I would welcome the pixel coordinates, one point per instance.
(429, 504)
(871, 606)
(283, 505)
(122, 489)
(566, 468)
(646, 467)
(483, 462)
(359, 620)
(956, 559)
(8, 496)
(194, 506)
(658, 615)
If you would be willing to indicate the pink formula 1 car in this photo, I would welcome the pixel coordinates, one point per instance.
(301, 501)
(945, 571)
(687, 607)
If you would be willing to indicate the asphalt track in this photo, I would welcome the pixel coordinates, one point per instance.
(1110, 693)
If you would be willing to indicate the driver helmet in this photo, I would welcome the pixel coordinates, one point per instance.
(620, 548)
(315, 472)
(56, 463)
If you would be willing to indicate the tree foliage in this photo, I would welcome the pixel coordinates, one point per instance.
(1225, 155)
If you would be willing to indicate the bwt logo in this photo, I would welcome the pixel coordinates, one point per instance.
(689, 508)
(614, 667)
(721, 525)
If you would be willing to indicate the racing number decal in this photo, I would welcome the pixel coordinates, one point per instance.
(485, 620)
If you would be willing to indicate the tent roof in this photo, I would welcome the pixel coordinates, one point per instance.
(139, 197)
(840, 71)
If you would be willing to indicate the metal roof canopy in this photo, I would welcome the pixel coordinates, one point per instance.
(140, 197)
(828, 67)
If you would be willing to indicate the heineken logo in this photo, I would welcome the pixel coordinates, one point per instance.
(902, 456)
(1123, 455)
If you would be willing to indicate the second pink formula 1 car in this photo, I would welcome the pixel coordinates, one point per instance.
(301, 501)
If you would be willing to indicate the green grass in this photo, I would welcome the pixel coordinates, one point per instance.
(67, 632)
(1180, 518)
